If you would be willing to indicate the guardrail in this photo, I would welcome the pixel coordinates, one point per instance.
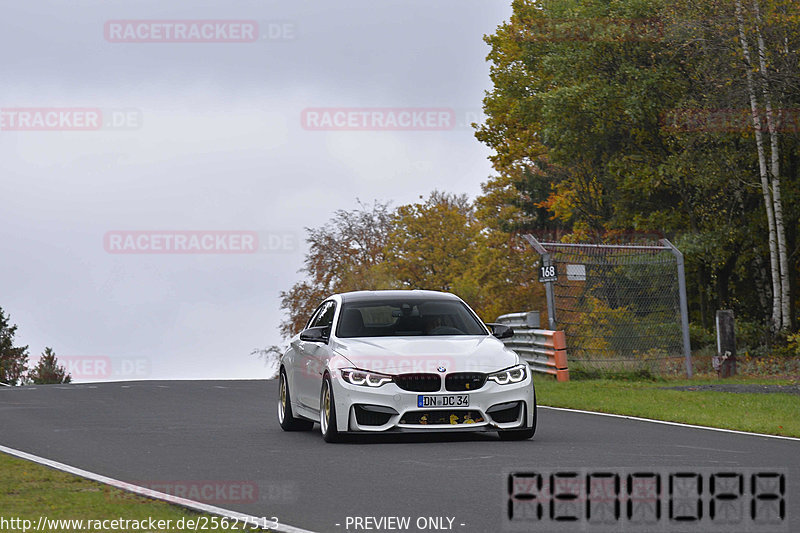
(544, 350)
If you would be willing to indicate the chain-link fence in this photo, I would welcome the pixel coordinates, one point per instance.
(620, 305)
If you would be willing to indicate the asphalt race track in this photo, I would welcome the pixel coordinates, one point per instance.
(221, 440)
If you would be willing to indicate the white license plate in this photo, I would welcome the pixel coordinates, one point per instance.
(451, 400)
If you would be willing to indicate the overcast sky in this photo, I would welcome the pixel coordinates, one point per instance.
(103, 137)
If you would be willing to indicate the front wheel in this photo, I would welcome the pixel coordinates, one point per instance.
(285, 417)
(327, 412)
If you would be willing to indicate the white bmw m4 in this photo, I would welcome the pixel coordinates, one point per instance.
(392, 361)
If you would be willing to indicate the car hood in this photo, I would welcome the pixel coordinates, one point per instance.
(400, 355)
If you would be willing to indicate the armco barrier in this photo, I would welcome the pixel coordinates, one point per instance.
(544, 350)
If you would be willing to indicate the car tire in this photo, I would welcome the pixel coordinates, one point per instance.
(327, 412)
(521, 434)
(285, 416)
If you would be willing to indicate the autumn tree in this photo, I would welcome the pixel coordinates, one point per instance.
(345, 254)
(432, 243)
(442, 242)
(501, 277)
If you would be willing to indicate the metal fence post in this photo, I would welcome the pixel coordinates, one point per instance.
(687, 348)
(549, 295)
(548, 286)
(726, 343)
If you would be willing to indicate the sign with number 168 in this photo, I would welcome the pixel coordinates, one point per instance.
(547, 273)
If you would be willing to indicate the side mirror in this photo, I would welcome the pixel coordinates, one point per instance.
(501, 331)
(316, 334)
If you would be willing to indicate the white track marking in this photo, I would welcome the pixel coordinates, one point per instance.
(149, 493)
(670, 423)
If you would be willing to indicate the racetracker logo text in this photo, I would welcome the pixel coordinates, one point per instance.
(181, 31)
(102, 367)
(424, 364)
(50, 119)
(209, 492)
(378, 119)
(690, 120)
(68, 119)
(181, 242)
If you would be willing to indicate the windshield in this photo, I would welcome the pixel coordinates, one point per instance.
(394, 318)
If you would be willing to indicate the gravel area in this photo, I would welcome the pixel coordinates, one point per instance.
(741, 388)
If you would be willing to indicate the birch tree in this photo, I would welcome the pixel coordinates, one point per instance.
(770, 178)
(783, 256)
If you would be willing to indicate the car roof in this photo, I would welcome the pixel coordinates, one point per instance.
(361, 296)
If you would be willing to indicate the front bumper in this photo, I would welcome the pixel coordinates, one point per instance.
(389, 408)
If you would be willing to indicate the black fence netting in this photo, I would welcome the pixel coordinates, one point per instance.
(619, 306)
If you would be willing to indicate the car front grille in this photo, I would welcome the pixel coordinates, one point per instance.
(446, 417)
(419, 382)
(461, 381)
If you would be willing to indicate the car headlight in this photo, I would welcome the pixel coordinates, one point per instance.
(515, 374)
(367, 379)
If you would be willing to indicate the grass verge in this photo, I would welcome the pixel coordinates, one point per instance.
(29, 491)
(771, 413)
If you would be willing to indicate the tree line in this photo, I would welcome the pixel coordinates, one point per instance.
(14, 368)
(442, 242)
(678, 117)
(607, 121)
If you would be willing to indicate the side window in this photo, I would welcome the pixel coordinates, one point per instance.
(324, 316)
(315, 315)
